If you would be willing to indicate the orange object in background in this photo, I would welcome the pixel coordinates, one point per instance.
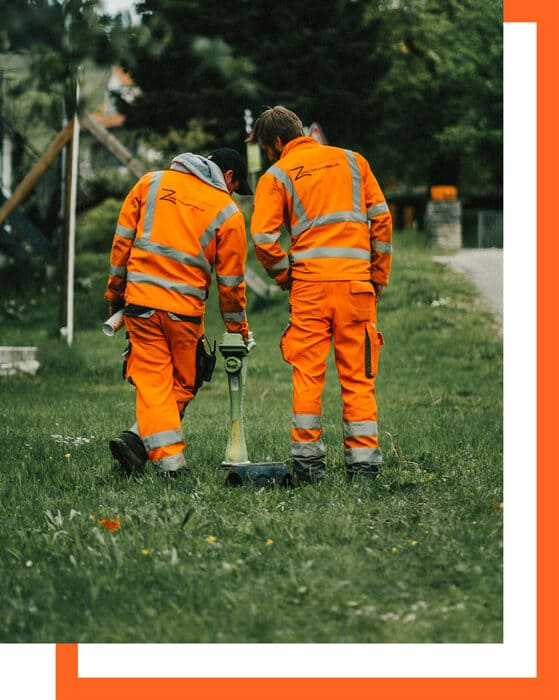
(444, 192)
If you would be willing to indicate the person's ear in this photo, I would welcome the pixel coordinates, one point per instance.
(230, 180)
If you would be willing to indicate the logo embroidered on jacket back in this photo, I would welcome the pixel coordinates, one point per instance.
(170, 197)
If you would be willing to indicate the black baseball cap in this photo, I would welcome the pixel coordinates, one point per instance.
(230, 159)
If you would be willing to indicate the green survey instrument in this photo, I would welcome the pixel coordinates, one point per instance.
(241, 471)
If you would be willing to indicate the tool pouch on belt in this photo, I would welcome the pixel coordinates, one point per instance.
(125, 355)
(205, 362)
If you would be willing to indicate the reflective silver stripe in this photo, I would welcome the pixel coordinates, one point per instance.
(125, 232)
(304, 223)
(230, 280)
(219, 220)
(377, 209)
(355, 180)
(174, 254)
(316, 448)
(263, 238)
(162, 439)
(234, 317)
(150, 203)
(283, 177)
(363, 428)
(382, 247)
(362, 455)
(140, 278)
(335, 217)
(283, 264)
(170, 464)
(117, 270)
(356, 253)
(306, 421)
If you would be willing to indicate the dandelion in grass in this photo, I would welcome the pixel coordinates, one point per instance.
(212, 539)
(67, 455)
(394, 550)
(269, 541)
(145, 552)
(111, 524)
(413, 543)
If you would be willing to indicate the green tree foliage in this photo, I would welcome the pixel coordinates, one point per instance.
(97, 227)
(187, 70)
(58, 37)
(416, 85)
(440, 102)
(44, 45)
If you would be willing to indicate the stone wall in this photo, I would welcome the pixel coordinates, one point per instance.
(443, 222)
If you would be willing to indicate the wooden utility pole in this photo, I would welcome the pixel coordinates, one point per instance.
(28, 182)
(112, 144)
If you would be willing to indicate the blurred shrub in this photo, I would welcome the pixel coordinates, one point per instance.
(103, 183)
(96, 227)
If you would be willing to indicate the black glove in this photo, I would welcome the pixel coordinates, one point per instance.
(116, 304)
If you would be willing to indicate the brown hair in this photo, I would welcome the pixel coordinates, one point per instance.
(277, 121)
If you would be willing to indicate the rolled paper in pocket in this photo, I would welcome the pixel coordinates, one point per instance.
(114, 323)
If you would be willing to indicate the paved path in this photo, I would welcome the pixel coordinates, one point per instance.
(484, 266)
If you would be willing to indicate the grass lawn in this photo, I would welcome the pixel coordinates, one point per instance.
(414, 557)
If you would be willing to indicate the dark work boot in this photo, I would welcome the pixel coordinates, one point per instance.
(129, 451)
(365, 471)
(308, 472)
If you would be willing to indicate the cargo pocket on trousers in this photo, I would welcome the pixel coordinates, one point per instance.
(374, 340)
(362, 301)
(284, 343)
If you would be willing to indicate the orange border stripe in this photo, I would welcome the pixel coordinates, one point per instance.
(70, 687)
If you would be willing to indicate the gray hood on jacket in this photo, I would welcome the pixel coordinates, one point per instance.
(200, 167)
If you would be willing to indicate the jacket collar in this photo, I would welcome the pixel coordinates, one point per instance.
(200, 167)
(299, 141)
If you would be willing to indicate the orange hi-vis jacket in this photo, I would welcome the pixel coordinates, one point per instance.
(174, 227)
(333, 209)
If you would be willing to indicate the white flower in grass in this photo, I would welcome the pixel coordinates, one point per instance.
(390, 617)
(70, 440)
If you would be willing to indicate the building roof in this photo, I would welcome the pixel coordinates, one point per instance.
(121, 83)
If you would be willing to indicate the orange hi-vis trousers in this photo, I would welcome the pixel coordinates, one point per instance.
(344, 311)
(161, 364)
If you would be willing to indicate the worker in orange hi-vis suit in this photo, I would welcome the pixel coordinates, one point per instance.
(329, 202)
(174, 227)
